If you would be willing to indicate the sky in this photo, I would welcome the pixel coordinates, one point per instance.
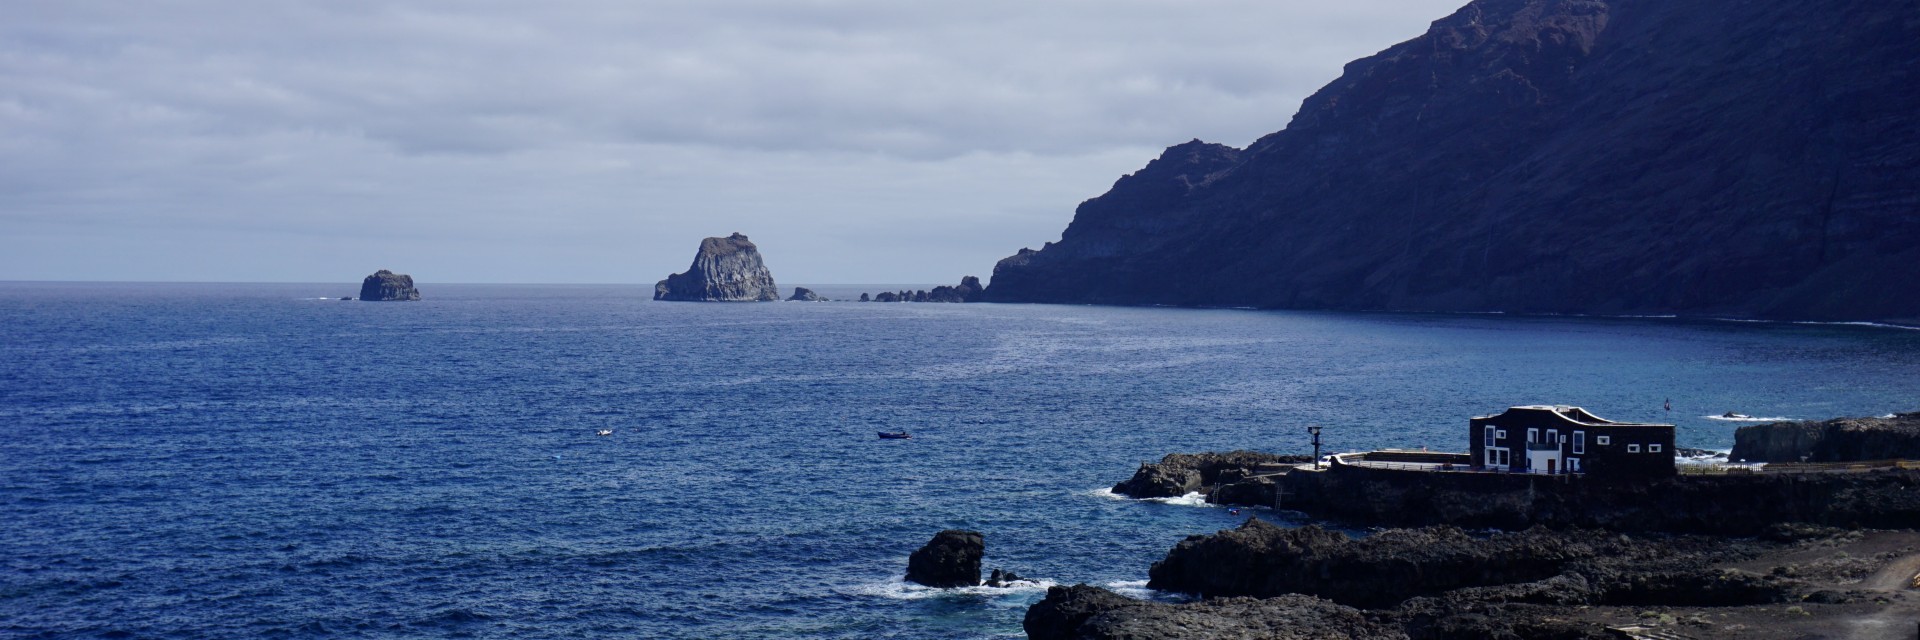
(855, 141)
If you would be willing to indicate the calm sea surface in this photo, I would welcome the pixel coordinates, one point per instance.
(197, 461)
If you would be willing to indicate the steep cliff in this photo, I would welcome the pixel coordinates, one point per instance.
(724, 270)
(1745, 158)
(387, 286)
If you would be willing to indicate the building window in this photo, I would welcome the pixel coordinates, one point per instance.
(1533, 435)
(1603, 440)
(1503, 434)
(1633, 448)
(1489, 432)
(1579, 442)
(1653, 448)
(1573, 465)
(1553, 436)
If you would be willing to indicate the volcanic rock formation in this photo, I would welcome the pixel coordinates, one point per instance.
(386, 285)
(950, 559)
(1837, 440)
(725, 270)
(1597, 156)
(969, 290)
(803, 294)
(1178, 474)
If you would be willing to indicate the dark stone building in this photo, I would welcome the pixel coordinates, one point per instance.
(1563, 439)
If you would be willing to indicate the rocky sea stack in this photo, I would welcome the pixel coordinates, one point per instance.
(950, 559)
(1754, 159)
(386, 285)
(725, 270)
(803, 294)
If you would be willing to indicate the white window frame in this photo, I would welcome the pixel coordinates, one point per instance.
(1573, 465)
(1503, 434)
(1633, 448)
(1653, 448)
(1579, 442)
(1603, 440)
(1489, 435)
(1533, 435)
(1553, 436)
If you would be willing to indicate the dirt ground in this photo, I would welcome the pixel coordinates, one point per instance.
(1861, 588)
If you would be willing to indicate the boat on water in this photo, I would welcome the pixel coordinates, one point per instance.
(1736, 416)
(902, 435)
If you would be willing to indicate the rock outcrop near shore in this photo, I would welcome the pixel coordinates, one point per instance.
(950, 559)
(1837, 440)
(969, 290)
(1755, 159)
(1444, 583)
(1392, 566)
(1178, 474)
(1082, 612)
(724, 270)
(803, 294)
(387, 286)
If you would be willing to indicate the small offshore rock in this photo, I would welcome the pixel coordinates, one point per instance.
(386, 285)
(724, 270)
(950, 559)
(803, 294)
(1001, 578)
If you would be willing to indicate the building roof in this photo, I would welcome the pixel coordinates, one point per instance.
(1574, 415)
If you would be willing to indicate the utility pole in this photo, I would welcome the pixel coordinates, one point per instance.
(1315, 430)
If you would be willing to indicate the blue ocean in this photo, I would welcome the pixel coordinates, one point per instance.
(265, 461)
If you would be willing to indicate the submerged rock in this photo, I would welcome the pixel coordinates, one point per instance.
(724, 270)
(386, 285)
(950, 559)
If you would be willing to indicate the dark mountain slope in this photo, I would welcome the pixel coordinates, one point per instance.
(1751, 158)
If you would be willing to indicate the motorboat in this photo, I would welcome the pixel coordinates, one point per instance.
(901, 435)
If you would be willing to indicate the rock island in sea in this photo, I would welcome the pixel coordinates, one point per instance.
(724, 270)
(387, 286)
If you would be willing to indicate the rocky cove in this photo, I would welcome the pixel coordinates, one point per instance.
(1794, 552)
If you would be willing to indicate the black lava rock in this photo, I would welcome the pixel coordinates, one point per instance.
(950, 559)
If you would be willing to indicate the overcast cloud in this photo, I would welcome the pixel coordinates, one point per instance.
(855, 141)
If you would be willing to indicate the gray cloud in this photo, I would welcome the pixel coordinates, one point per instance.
(857, 141)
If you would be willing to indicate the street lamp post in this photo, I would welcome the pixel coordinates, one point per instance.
(1315, 430)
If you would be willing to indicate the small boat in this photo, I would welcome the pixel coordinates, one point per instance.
(884, 435)
(606, 432)
(1737, 416)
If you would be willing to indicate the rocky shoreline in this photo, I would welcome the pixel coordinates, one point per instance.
(1837, 440)
(1797, 552)
(1443, 583)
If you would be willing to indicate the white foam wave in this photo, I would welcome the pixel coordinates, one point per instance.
(1888, 417)
(1193, 499)
(898, 589)
(1137, 589)
(1747, 419)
